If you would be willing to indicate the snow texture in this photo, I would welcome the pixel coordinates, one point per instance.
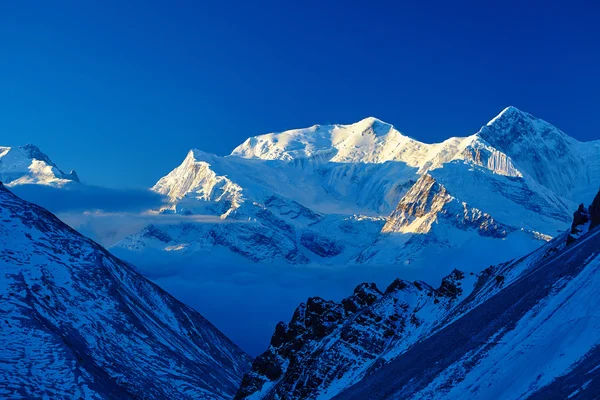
(76, 322)
(305, 194)
(524, 328)
(28, 165)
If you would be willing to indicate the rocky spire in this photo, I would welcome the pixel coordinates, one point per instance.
(585, 219)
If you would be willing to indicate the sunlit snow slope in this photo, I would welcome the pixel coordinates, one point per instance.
(365, 193)
(28, 165)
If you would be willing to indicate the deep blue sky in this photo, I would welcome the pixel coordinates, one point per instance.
(121, 90)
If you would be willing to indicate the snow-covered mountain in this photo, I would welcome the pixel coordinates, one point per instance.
(513, 143)
(76, 322)
(527, 328)
(302, 196)
(28, 165)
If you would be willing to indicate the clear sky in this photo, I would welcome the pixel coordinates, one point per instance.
(120, 90)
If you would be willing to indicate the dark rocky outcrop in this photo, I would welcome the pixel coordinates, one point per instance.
(585, 219)
(326, 341)
(320, 245)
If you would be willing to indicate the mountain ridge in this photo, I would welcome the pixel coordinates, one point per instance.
(367, 345)
(79, 322)
(29, 165)
(366, 169)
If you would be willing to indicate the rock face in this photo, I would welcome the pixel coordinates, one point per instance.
(29, 165)
(581, 223)
(585, 219)
(595, 212)
(78, 322)
(525, 328)
(328, 345)
(428, 201)
(535, 338)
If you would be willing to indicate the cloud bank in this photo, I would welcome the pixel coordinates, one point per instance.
(103, 214)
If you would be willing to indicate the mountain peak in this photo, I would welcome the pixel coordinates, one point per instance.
(508, 112)
(196, 155)
(69, 291)
(29, 165)
(371, 120)
(537, 148)
(378, 126)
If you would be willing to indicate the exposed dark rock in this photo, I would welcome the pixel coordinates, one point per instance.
(152, 231)
(585, 219)
(325, 340)
(320, 245)
(398, 284)
(450, 286)
(365, 294)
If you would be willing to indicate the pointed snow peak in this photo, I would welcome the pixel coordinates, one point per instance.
(371, 120)
(29, 165)
(195, 155)
(514, 125)
(508, 113)
(378, 126)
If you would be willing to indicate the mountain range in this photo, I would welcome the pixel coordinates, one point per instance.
(491, 214)
(76, 322)
(366, 194)
(526, 328)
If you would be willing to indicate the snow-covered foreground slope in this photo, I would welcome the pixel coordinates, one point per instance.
(28, 165)
(76, 322)
(525, 328)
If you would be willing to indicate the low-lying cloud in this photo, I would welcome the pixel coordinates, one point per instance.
(84, 198)
(103, 214)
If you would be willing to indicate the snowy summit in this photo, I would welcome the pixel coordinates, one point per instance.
(28, 165)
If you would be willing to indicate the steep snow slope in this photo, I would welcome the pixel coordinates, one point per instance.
(208, 183)
(538, 337)
(543, 152)
(28, 165)
(371, 141)
(79, 323)
(513, 143)
(522, 328)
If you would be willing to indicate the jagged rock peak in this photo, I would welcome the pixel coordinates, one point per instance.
(585, 219)
(365, 294)
(326, 341)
